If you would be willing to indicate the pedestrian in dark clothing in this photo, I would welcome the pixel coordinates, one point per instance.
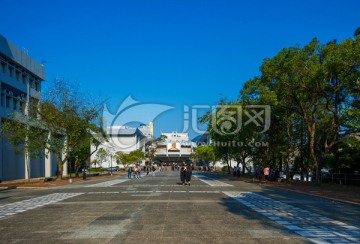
(188, 175)
(260, 173)
(182, 175)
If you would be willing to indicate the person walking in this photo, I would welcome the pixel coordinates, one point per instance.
(259, 173)
(182, 175)
(139, 173)
(134, 173)
(129, 171)
(188, 175)
(238, 169)
(266, 172)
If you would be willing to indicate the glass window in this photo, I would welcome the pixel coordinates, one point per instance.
(11, 71)
(18, 75)
(23, 78)
(2, 99)
(3, 67)
(31, 81)
(7, 102)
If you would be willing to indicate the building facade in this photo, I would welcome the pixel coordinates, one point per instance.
(20, 86)
(123, 139)
(175, 148)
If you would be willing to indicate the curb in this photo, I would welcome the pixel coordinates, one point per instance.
(5, 188)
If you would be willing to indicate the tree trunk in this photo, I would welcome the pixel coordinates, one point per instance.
(287, 173)
(227, 162)
(60, 166)
(313, 154)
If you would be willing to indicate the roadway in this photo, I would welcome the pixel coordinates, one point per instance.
(158, 209)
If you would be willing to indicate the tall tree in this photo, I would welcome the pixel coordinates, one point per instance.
(314, 82)
(63, 120)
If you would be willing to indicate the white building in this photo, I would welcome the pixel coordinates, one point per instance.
(20, 85)
(123, 139)
(175, 148)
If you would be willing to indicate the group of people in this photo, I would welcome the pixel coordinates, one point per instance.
(267, 173)
(185, 175)
(136, 171)
(237, 171)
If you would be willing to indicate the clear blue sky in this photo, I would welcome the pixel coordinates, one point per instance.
(167, 52)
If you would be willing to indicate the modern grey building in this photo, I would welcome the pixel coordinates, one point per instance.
(20, 85)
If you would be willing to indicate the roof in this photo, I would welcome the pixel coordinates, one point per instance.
(17, 55)
(123, 131)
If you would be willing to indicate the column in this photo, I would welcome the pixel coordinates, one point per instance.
(27, 165)
(63, 155)
(48, 168)
(65, 168)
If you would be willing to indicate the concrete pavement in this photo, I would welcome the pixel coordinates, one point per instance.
(157, 209)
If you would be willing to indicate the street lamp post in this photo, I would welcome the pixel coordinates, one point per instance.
(111, 163)
(111, 154)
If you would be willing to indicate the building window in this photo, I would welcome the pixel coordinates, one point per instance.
(22, 106)
(14, 104)
(31, 82)
(2, 99)
(37, 86)
(3, 67)
(23, 78)
(17, 75)
(11, 71)
(7, 102)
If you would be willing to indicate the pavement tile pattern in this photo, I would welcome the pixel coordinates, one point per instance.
(108, 183)
(211, 182)
(161, 210)
(22, 206)
(316, 228)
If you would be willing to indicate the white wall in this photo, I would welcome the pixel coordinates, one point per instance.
(125, 144)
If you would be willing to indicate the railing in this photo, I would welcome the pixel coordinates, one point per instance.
(342, 179)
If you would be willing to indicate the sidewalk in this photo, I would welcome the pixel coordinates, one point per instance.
(40, 183)
(342, 193)
(335, 192)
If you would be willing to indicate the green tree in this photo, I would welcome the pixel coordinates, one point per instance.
(60, 124)
(136, 155)
(121, 158)
(152, 145)
(129, 158)
(101, 155)
(357, 32)
(218, 133)
(314, 83)
(206, 153)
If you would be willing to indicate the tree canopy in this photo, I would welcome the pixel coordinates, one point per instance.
(313, 92)
(61, 124)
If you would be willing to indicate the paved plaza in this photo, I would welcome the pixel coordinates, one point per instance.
(158, 209)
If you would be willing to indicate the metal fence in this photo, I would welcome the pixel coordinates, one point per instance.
(342, 179)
